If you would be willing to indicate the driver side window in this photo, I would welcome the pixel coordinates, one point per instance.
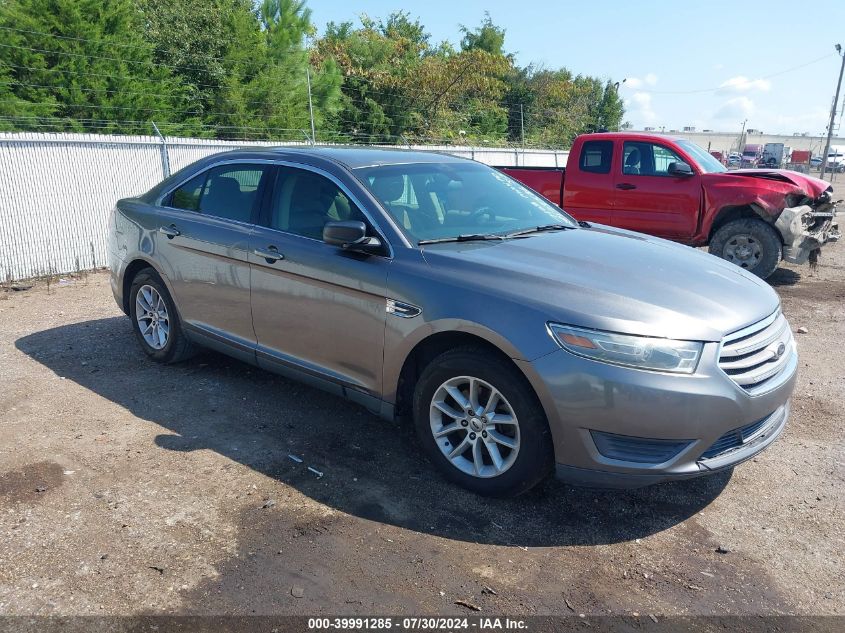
(647, 159)
(303, 201)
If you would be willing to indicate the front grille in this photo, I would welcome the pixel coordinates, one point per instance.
(641, 450)
(755, 356)
(737, 437)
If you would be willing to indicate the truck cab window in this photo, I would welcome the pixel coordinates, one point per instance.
(647, 159)
(595, 157)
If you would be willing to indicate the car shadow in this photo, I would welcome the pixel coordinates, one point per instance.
(362, 465)
(784, 277)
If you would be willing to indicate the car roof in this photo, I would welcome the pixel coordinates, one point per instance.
(351, 157)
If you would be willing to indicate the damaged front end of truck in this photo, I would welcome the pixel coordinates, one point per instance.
(799, 207)
(807, 225)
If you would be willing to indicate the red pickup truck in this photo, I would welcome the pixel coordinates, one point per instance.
(673, 188)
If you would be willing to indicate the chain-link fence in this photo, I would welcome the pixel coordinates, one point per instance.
(56, 190)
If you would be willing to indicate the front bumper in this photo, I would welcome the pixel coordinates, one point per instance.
(806, 229)
(585, 399)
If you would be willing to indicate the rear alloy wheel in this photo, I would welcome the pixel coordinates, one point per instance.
(152, 317)
(481, 423)
(155, 320)
(749, 243)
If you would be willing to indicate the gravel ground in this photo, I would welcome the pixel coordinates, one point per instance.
(131, 488)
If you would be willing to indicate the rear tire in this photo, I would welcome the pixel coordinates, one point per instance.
(750, 244)
(501, 458)
(155, 321)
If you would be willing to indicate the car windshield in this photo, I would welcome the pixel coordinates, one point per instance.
(431, 201)
(706, 162)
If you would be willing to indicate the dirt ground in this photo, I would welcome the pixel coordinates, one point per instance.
(132, 488)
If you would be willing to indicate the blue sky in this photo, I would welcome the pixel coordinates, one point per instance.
(728, 58)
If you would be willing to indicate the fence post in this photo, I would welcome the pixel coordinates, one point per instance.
(165, 159)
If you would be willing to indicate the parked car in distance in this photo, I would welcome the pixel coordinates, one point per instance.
(751, 155)
(436, 289)
(734, 159)
(672, 188)
(816, 162)
(836, 159)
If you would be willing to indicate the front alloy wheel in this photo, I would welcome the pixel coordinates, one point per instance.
(481, 423)
(474, 426)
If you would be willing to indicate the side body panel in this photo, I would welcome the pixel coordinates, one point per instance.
(319, 309)
(546, 182)
(204, 266)
(665, 206)
(588, 196)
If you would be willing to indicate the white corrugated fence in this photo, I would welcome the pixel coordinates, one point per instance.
(56, 190)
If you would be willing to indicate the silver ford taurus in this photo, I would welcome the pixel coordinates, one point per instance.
(436, 289)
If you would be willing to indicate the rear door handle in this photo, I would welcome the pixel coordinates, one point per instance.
(626, 186)
(270, 254)
(170, 231)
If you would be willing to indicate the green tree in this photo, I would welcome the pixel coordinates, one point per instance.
(83, 61)
(279, 91)
(214, 47)
(379, 62)
(486, 37)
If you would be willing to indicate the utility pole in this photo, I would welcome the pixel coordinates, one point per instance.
(739, 143)
(522, 125)
(832, 113)
(310, 106)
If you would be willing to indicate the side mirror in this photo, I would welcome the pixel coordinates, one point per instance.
(680, 169)
(350, 235)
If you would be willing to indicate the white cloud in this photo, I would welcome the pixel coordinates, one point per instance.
(744, 84)
(639, 108)
(738, 107)
(636, 82)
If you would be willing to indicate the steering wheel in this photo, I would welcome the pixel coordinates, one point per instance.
(481, 212)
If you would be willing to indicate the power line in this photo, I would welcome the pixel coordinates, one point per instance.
(104, 57)
(722, 87)
(143, 47)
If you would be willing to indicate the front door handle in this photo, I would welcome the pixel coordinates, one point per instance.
(270, 254)
(626, 186)
(170, 231)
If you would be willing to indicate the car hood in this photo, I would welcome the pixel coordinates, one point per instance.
(611, 279)
(779, 179)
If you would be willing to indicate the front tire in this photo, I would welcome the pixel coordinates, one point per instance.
(155, 321)
(481, 423)
(750, 244)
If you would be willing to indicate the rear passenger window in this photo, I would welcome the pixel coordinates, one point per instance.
(228, 191)
(595, 156)
(188, 195)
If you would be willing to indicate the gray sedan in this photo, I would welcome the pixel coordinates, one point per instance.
(435, 289)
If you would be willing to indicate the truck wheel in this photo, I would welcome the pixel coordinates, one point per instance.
(750, 244)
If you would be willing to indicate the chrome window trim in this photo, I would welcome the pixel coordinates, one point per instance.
(295, 165)
(159, 201)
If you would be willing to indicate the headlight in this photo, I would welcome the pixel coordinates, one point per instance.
(643, 352)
